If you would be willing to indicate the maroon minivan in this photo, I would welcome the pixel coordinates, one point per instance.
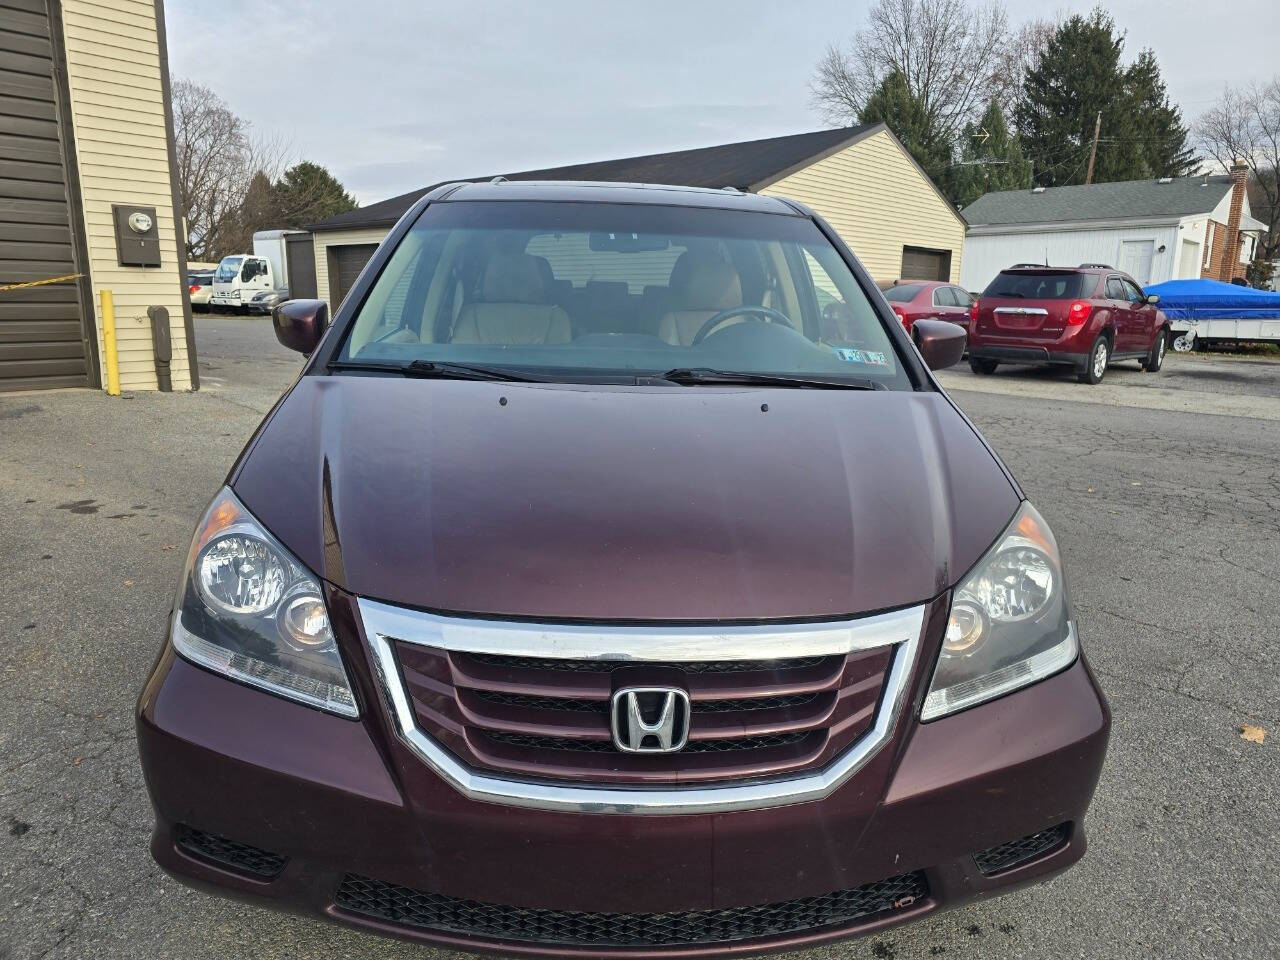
(617, 580)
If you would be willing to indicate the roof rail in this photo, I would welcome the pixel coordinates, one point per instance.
(1096, 266)
(1022, 266)
(730, 190)
(499, 179)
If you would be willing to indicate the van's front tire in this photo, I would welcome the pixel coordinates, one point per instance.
(1096, 366)
(983, 367)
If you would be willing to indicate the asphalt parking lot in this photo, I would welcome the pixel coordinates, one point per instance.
(1164, 491)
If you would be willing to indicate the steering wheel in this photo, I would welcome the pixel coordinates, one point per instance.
(759, 314)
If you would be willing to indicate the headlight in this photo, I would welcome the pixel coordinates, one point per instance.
(248, 609)
(1010, 624)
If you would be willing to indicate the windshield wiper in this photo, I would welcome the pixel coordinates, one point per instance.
(438, 370)
(699, 376)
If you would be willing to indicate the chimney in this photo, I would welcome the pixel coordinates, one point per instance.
(1230, 265)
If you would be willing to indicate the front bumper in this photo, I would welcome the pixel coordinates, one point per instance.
(340, 799)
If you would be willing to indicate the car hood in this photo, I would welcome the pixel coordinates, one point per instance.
(635, 503)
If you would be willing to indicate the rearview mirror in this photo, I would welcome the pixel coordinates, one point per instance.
(300, 324)
(1153, 298)
(940, 343)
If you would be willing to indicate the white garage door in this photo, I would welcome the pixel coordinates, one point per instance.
(1135, 259)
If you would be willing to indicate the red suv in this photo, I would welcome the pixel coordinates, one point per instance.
(1083, 316)
(930, 300)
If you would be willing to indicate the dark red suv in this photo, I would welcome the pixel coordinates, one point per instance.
(1083, 317)
(616, 580)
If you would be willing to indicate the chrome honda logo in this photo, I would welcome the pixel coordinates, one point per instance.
(649, 719)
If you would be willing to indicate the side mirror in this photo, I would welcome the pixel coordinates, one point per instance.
(1153, 298)
(940, 343)
(300, 324)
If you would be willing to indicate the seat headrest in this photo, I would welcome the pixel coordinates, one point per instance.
(514, 278)
(710, 286)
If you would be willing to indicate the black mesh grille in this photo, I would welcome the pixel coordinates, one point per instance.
(606, 746)
(754, 703)
(605, 666)
(1014, 852)
(752, 743)
(542, 703)
(405, 905)
(228, 853)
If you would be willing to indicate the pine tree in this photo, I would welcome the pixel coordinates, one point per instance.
(894, 105)
(1079, 76)
(991, 159)
(307, 192)
(1157, 128)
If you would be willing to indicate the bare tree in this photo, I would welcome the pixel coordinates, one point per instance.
(1244, 124)
(218, 156)
(1022, 54)
(948, 51)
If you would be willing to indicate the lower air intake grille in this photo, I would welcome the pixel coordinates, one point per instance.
(1013, 852)
(432, 911)
(241, 857)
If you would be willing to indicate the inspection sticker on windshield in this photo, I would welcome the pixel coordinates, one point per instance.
(862, 356)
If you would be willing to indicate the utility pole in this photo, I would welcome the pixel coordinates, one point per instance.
(1093, 152)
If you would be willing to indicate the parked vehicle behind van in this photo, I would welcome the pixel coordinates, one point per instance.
(254, 283)
(1080, 317)
(930, 300)
(616, 580)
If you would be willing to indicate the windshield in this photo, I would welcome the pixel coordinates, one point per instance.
(572, 291)
(227, 269)
(1044, 285)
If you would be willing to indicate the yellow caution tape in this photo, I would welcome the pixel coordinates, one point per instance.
(39, 283)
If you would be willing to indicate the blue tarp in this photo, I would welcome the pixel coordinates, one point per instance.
(1214, 300)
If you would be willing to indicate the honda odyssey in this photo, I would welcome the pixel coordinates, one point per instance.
(617, 580)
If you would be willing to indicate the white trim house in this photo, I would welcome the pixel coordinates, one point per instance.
(1155, 230)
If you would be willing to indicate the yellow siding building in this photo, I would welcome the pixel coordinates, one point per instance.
(90, 140)
(884, 206)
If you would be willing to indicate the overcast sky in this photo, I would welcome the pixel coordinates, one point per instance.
(397, 94)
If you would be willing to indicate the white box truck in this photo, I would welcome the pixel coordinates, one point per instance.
(254, 282)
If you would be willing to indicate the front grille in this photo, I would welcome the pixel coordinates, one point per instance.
(242, 857)
(1013, 852)
(432, 911)
(548, 718)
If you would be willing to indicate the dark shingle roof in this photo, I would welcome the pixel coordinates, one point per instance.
(747, 165)
(1126, 199)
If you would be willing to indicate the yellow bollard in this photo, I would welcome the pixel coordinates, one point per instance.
(109, 343)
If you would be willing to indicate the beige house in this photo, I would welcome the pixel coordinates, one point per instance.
(87, 197)
(861, 179)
